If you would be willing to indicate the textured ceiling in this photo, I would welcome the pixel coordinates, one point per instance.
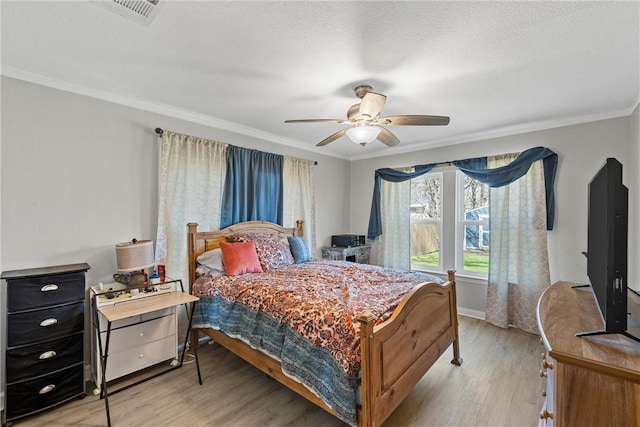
(495, 68)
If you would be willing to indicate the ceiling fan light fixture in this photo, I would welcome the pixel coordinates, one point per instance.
(367, 120)
(363, 134)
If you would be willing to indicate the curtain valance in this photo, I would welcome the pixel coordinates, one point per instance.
(475, 168)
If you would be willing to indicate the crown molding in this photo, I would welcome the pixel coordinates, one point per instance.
(164, 109)
(190, 116)
(502, 132)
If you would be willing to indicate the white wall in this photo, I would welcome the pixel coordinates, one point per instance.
(634, 202)
(2, 292)
(581, 149)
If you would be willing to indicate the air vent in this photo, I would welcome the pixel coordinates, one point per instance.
(140, 11)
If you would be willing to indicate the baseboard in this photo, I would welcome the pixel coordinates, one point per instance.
(471, 313)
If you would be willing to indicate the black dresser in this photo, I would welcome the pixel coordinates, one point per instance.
(45, 338)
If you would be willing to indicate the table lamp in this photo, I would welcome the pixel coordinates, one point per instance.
(132, 258)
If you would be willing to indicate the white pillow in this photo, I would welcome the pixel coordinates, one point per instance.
(201, 270)
(212, 260)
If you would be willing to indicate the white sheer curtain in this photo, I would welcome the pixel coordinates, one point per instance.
(519, 262)
(394, 243)
(190, 190)
(300, 198)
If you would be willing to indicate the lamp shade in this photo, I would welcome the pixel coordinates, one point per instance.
(134, 255)
(363, 134)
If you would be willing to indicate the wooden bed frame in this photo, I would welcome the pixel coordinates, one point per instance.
(395, 354)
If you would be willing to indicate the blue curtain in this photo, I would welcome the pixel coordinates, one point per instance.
(475, 168)
(253, 187)
(392, 175)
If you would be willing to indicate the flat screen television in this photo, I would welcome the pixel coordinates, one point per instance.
(607, 247)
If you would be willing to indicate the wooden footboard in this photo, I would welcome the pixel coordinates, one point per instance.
(397, 353)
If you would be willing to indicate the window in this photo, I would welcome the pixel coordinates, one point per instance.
(450, 223)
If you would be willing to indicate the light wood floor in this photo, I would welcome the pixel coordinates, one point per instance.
(497, 385)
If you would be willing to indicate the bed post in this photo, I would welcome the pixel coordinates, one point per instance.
(367, 388)
(299, 231)
(457, 360)
(191, 250)
(191, 255)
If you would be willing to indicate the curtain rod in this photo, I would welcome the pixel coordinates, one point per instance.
(159, 131)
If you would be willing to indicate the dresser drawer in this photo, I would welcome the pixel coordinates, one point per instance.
(135, 319)
(44, 291)
(46, 324)
(34, 395)
(39, 359)
(127, 361)
(140, 334)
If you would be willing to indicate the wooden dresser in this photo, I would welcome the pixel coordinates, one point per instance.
(45, 338)
(591, 381)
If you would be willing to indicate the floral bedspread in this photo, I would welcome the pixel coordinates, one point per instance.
(305, 315)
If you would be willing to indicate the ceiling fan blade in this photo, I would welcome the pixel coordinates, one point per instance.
(409, 120)
(316, 121)
(387, 138)
(332, 138)
(372, 104)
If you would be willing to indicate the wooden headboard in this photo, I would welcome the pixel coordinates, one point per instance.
(201, 241)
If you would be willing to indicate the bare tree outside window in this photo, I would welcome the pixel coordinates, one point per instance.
(425, 197)
(475, 223)
(476, 194)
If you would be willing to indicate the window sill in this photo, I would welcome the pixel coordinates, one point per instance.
(466, 277)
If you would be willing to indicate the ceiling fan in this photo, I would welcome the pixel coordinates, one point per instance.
(366, 117)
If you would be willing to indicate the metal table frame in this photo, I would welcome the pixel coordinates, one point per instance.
(127, 308)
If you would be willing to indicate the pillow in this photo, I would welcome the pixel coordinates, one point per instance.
(299, 249)
(240, 258)
(272, 253)
(212, 260)
(201, 270)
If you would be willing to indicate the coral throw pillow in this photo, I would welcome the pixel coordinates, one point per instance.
(240, 258)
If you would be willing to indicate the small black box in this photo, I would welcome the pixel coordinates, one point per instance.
(347, 240)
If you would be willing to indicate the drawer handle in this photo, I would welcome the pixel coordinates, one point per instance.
(46, 389)
(48, 288)
(49, 322)
(141, 334)
(141, 356)
(47, 355)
